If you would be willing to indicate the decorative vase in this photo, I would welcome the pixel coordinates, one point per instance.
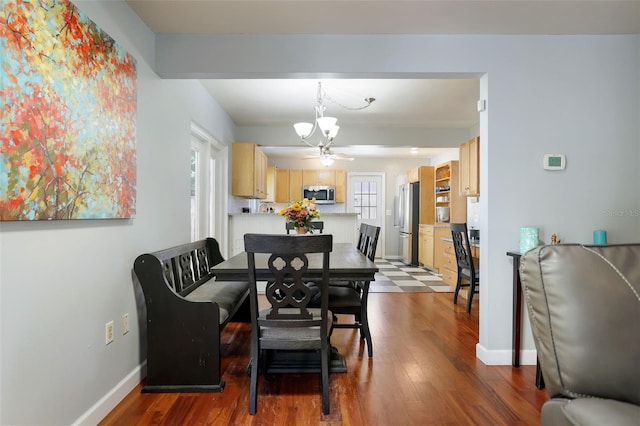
(301, 230)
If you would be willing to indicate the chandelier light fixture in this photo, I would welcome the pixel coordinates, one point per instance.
(327, 125)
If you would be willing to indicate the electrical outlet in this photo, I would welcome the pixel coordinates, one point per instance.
(108, 333)
(125, 324)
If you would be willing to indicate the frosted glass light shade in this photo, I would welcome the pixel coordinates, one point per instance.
(303, 129)
(333, 132)
(326, 161)
(327, 124)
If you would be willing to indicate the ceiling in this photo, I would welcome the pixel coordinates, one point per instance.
(399, 103)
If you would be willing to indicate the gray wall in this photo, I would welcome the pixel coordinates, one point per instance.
(62, 281)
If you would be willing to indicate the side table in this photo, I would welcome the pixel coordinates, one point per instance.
(517, 318)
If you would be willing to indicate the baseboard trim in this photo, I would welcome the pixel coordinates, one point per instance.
(100, 409)
(503, 357)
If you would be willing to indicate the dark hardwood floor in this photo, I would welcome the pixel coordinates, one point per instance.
(423, 372)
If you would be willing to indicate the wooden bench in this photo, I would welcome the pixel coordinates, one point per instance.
(186, 311)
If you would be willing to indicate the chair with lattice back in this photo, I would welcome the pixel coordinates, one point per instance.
(317, 225)
(289, 323)
(468, 273)
(353, 300)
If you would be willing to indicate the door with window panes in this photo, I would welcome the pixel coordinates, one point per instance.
(208, 183)
(365, 196)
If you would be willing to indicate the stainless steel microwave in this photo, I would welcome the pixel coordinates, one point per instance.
(322, 194)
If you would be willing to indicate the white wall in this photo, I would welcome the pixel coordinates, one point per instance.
(61, 281)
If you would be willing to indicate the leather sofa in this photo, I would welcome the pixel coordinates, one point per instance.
(584, 308)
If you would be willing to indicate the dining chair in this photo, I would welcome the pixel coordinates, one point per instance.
(362, 240)
(353, 299)
(317, 225)
(467, 271)
(289, 323)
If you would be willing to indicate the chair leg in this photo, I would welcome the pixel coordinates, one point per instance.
(457, 290)
(324, 371)
(472, 290)
(364, 329)
(253, 394)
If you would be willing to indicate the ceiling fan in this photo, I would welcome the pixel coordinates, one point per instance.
(327, 157)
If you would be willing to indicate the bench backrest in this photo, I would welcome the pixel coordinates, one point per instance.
(189, 265)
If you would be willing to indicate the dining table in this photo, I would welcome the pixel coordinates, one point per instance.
(346, 263)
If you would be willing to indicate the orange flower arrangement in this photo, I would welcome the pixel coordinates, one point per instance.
(301, 213)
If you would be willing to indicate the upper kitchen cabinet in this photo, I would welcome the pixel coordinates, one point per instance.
(295, 185)
(470, 167)
(272, 179)
(282, 186)
(319, 177)
(288, 185)
(413, 175)
(425, 177)
(249, 171)
(341, 186)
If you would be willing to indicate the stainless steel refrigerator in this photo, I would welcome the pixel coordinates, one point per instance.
(409, 215)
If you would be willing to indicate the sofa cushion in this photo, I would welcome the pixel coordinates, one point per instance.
(225, 293)
(590, 412)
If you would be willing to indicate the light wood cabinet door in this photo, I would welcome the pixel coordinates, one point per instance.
(295, 185)
(282, 186)
(318, 177)
(249, 171)
(470, 168)
(427, 210)
(341, 186)
(425, 246)
(450, 267)
(271, 185)
(261, 174)
(439, 246)
(413, 175)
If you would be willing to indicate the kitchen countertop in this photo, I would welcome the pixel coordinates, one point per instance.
(473, 243)
(435, 225)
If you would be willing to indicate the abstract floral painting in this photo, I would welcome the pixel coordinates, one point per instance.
(67, 116)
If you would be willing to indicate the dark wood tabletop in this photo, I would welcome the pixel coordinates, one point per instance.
(346, 263)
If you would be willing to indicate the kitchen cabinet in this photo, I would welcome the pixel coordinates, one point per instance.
(449, 268)
(413, 175)
(425, 177)
(447, 197)
(341, 186)
(249, 171)
(318, 177)
(295, 185)
(271, 185)
(282, 186)
(425, 246)
(470, 167)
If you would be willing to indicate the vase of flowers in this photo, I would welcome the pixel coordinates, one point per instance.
(300, 214)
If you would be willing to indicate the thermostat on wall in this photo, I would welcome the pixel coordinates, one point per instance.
(554, 162)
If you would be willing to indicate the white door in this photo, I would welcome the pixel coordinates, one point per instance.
(365, 196)
(208, 183)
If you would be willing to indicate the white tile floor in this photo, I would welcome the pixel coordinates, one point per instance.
(396, 277)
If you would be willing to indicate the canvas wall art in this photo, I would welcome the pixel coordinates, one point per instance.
(67, 124)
